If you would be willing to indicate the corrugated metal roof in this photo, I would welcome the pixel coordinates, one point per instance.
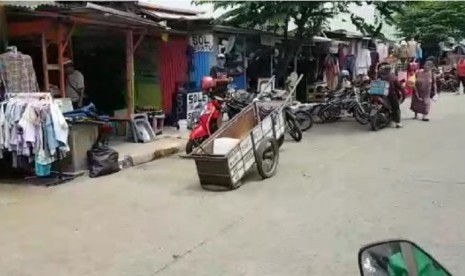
(111, 15)
(157, 7)
(174, 16)
(32, 4)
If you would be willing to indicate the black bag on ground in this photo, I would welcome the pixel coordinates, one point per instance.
(102, 160)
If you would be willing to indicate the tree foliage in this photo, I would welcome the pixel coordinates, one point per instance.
(309, 17)
(432, 22)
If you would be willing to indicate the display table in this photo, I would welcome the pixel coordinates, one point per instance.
(81, 138)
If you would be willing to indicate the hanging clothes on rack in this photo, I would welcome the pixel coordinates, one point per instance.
(363, 62)
(331, 65)
(17, 73)
(32, 128)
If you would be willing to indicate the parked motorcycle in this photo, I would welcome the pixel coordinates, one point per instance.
(303, 114)
(398, 257)
(210, 119)
(447, 81)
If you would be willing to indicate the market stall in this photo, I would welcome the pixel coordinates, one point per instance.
(117, 57)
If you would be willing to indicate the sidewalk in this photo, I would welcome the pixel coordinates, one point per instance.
(133, 154)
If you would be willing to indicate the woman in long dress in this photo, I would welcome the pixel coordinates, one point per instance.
(425, 90)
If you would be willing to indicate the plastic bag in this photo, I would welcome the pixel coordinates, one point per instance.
(102, 160)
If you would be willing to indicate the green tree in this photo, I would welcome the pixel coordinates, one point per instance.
(310, 18)
(432, 22)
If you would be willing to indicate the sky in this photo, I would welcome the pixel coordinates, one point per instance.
(336, 23)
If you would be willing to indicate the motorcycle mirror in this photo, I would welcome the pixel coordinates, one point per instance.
(398, 257)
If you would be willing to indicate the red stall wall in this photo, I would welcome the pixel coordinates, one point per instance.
(173, 68)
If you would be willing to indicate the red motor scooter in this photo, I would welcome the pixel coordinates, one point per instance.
(211, 117)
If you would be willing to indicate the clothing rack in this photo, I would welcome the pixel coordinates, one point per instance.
(45, 95)
(48, 97)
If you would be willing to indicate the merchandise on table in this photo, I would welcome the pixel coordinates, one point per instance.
(32, 128)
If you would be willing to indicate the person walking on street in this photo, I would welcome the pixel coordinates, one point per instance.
(425, 90)
(461, 74)
(396, 91)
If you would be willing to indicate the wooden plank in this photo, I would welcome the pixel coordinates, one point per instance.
(45, 62)
(141, 37)
(130, 71)
(61, 59)
(68, 37)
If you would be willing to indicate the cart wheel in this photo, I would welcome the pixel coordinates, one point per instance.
(267, 157)
(281, 140)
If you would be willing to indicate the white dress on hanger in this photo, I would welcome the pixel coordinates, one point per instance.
(363, 62)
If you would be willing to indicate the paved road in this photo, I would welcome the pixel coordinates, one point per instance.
(341, 188)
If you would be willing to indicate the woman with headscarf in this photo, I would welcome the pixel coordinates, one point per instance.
(396, 91)
(425, 90)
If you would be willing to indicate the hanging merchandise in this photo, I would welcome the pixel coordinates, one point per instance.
(17, 72)
(363, 62)
(331, 65)
(33, 129)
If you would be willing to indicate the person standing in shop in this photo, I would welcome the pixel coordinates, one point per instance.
(74, 84)
(218, 71)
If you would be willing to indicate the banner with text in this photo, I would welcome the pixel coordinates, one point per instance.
(202, 42)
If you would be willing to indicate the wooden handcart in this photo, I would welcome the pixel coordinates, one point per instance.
(258, 145)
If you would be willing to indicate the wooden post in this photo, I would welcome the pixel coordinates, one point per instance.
(3, 29)
(61, 60)
(45, 62)
(130, 71)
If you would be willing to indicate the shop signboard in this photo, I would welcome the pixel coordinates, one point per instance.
(202, 42)
(195, 104)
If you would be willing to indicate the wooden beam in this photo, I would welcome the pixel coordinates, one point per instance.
(141, 37)
(130, 71)
(45, 62)
(68, 37)
(3, 29)
(61, 60)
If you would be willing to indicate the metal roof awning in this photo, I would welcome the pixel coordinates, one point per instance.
(156, 7)
(321, 39)
(32, 4)
(111, 15)
(173, 16)
(86, 13)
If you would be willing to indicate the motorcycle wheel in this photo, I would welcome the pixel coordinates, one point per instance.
(304, 119)
(335, 113)
(361, 116)
(267, 157)
(191, 145)
(378, 121)
(323, 114)
(293, 126)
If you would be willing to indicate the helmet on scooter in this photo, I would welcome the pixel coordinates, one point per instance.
(208, 83)
(345, 73)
